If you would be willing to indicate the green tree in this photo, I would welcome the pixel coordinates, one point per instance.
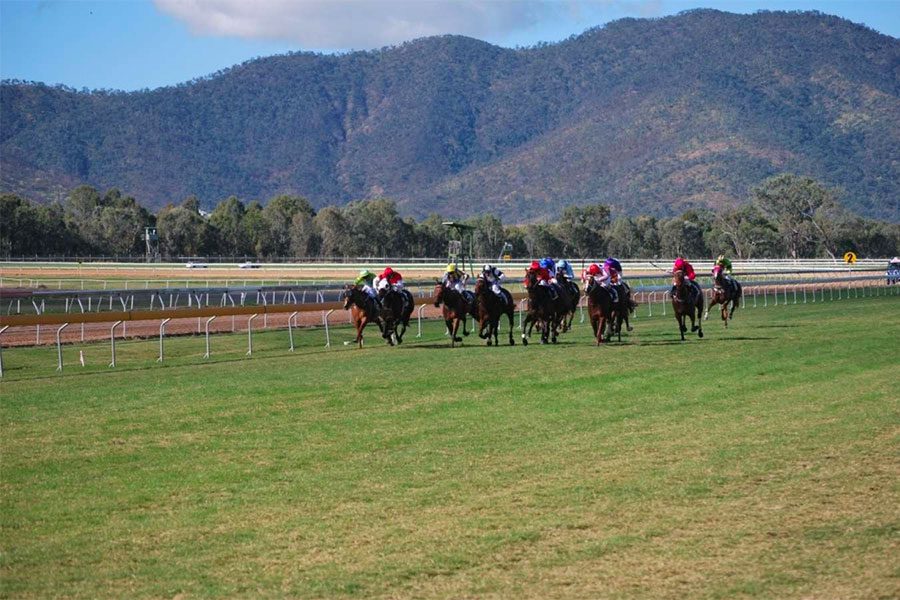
(183, 232)
(278, 216)
(334, 231)
(744, 233)
(582, 230)
(799, 207)
(228, 220)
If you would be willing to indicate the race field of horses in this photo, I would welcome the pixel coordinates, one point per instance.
(759, 461)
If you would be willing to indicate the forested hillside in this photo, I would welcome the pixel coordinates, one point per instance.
(645, 116)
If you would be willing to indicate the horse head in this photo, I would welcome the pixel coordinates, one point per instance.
(438, 294)
(347, 295)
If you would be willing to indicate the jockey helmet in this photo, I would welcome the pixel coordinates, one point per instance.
(721, 258)
(594, 269)
(563, 264)
(487, 268)
(547, 263)
(679, 263)
(451, 268)
(535, 265)
(388, 271)
(365, 274)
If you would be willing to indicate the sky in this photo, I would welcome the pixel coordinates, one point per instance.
(145, 44)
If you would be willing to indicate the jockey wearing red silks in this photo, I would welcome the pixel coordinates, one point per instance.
(388, 277)
(682, 265)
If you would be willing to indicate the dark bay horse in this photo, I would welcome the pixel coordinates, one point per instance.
(395, 313)
(457, 308)
(621, 310)
(544, 310)
(600, 309)
(363, 310)
(570, 288)
(725, 291)
(490, 308)
(687, 301)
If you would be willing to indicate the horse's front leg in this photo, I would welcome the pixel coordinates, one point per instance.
(360, 325)
(453, 337)
(599, 328)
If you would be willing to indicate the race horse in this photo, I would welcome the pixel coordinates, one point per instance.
(621, 310)
(544, 310)
(396, 308)
(600, 310)
(457, 308)
(489, 308)
(725, 291)
(363, 310)
(570, 288)
(687, 301)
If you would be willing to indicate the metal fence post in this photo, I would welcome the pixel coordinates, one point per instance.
(59, 365)
(419, 316)
(325, 316)
(5, 327)
(208, 321)
(112, 342)
(250, 334)
(290, 329)
(162, 333)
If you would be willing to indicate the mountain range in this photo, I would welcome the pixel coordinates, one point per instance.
(649, 116)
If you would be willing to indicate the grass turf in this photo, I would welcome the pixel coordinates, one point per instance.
(757, 462)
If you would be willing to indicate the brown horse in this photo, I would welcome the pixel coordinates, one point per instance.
(570, 288)
(724, 292)
(600, 309)
(687, 301)
(363, 310)
(490, 308)
(456, 310)
(544, 310)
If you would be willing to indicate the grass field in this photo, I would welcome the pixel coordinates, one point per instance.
(757, 462)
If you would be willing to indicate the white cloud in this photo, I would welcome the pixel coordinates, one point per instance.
(362, 24)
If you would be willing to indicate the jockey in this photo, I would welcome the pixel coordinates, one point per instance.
(595, 274)
(454, 278)
(722, 265)
(388, 279)
(682, 265)
(548, 264)
(494, 276)
(543, 277)
(614, 266)
(364, 281)
(565, 268)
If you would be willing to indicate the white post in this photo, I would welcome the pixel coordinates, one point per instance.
(59, 366)
(162, 333)
(5, 327)
(325, 316)
(208, 321)
(250, 334)
(112, 342)
(290, 329)
(419, 316)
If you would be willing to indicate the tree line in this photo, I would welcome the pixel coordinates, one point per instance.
(787, 216)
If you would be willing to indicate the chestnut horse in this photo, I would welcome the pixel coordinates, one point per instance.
(395, 313)
(456, 310)
(490, 307)
(687, 301)
(600, 310)
(723, 293)
(363, 310)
